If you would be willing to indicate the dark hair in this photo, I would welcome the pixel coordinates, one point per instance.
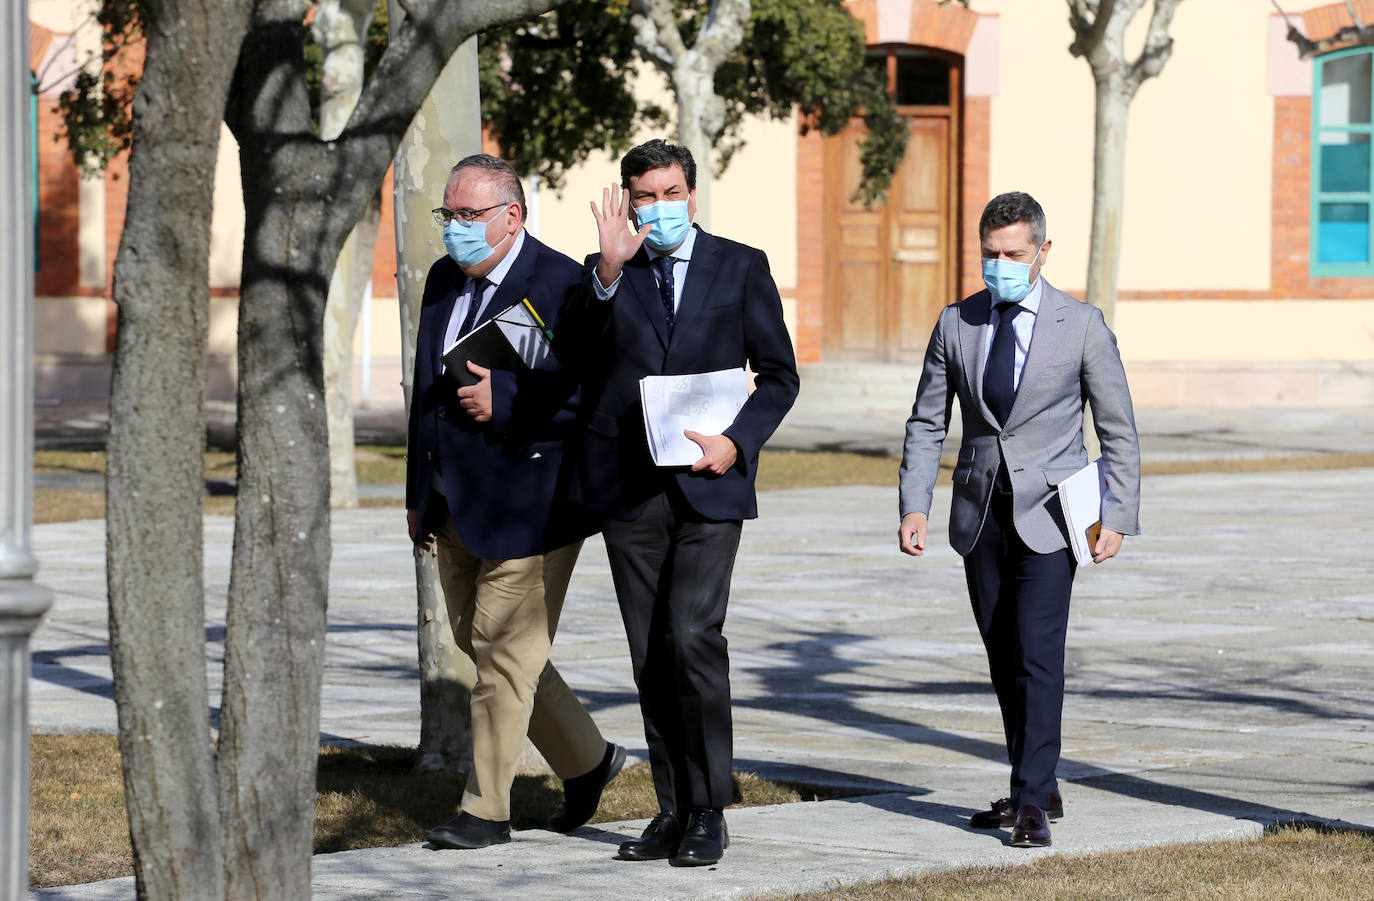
(500, 172)
(1009, 209)
(657, 154)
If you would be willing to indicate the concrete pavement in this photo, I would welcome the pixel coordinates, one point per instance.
(1219, 678)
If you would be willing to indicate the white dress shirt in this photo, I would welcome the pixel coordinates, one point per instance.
(465, 298)
(1022, 327)
(683, 255)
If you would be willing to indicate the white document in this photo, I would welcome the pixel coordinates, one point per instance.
(526, 333)
(1080, 496)
(704, 402)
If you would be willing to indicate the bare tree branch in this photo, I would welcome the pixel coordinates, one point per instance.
(1354, 16)
(723, 31)
(1158, 45)
(1349, 36)
(656, 33)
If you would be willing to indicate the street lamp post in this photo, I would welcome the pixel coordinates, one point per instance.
(22, 603)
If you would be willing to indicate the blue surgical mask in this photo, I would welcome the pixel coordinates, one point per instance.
(1007, 279)
(467, 241)
(669, 220)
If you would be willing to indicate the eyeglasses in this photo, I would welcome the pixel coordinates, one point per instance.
(444, 215)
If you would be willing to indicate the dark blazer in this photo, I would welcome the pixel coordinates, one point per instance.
(729, 315)
(504, 478)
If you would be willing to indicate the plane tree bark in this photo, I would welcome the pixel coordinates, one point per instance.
(1099, 28)
(156, 444)
(237, 824)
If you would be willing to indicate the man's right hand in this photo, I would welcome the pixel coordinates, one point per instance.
(911, 534)
(618, 243)
(413, 525)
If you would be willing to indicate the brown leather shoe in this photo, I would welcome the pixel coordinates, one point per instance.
(1002, 815)
(1032, 829)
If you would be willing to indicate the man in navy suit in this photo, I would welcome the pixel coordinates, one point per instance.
(483, 467)
(670, 299)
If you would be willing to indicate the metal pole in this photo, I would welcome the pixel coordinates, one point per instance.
(22, 603)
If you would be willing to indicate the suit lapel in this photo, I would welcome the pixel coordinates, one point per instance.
(442, 313)
(1045, 339)
(640, 280)
(701, 272)
(973, 348)
(515, 285)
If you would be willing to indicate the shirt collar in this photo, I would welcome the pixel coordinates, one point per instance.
(1031, 302)
(683, 251)
(498, 273)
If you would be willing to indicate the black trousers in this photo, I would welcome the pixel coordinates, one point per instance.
(1021, 602)
(672, 578)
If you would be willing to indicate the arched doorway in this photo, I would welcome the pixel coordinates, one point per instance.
(890, 269)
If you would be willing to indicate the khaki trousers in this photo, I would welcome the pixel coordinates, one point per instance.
(504, 615)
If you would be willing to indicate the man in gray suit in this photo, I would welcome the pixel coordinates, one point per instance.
(1022, 358)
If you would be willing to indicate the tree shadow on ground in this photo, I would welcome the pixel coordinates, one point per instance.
(819, 683)
(372, 796)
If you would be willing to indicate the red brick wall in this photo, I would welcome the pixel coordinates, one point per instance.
(811, 248)
(59, 203)
(976, 187)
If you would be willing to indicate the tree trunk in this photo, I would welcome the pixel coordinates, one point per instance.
(439, 136)
(155, 476)
(340, 27)
(696, 99)
(279, 578)
(1109, 184)
(347, 287)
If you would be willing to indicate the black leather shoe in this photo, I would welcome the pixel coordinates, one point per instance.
(658, 842)
(1003, 815)
(582, 794)
(705, 839)
(1032, 829)
(466, 832)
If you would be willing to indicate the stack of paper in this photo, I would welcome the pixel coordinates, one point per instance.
(1080, 496)
(705, 402)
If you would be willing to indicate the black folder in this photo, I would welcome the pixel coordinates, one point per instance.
(515, 340)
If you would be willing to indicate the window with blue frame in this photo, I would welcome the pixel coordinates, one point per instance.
(1342, 183)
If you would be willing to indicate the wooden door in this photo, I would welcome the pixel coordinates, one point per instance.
(920, 234)
(890, 270)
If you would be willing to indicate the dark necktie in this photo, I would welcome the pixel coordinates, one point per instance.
(479, 287)
(664, 267)
(999, 378)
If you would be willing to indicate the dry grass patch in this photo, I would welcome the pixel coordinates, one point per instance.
(69, 506)
(1286, 864)
(77, 826)
(366, 798)
(823, 469)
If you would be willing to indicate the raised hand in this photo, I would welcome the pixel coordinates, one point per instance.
(618, 243)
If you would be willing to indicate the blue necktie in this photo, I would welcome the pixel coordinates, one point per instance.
(474, 306)
(664, 267)
(999, 378)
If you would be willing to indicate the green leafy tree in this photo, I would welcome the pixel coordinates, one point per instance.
(560, 86)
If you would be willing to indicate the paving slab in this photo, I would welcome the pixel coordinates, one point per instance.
(1219, 678)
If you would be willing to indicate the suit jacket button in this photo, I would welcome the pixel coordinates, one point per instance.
(1004, 436)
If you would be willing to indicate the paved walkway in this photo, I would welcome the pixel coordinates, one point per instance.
(1219, 680)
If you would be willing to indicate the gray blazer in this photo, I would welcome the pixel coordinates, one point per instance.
(1072, 358)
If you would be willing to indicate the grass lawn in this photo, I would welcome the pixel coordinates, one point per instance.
(366, 798)
(1285, 865)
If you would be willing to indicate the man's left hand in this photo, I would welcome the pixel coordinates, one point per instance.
(1108, 545)
(476, 399)
(718, 453)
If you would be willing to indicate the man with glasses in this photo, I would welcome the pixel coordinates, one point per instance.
(482, 489)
